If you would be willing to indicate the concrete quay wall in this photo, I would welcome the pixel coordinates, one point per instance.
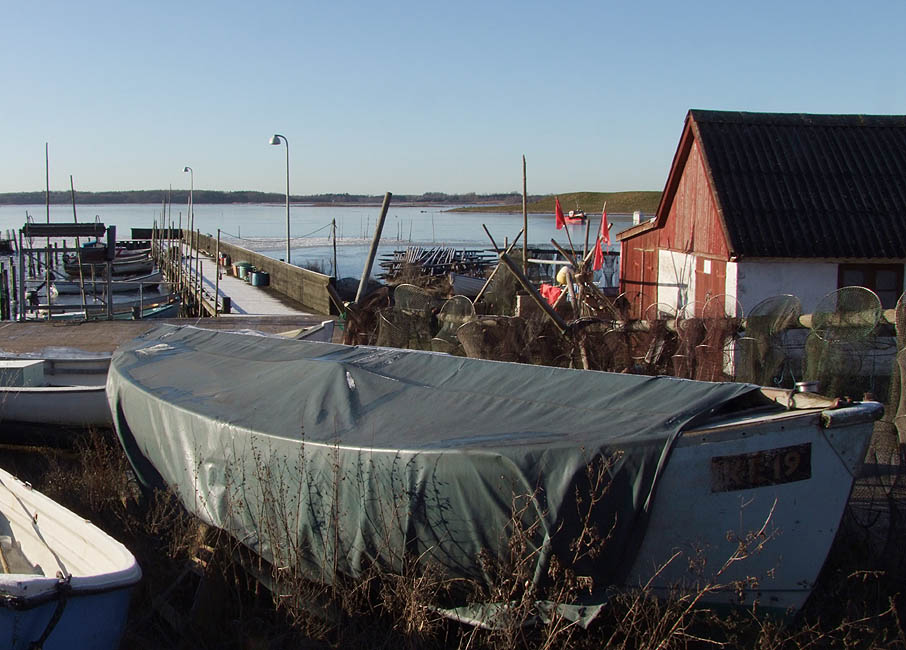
(305, 287)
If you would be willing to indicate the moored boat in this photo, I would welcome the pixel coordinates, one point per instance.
(404, 453)
(150, 306)
(99, 285)
(136, 265)
(73, 399)
(64, 583)
(576, 216)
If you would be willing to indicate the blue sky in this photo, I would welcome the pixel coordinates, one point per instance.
(412, 97)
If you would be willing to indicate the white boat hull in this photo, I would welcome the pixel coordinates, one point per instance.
(431, 453)
(71, 394)
(117, 286)
(78, 406)
(70, 586)
(704, 507)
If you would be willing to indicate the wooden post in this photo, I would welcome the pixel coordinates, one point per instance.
(336, 271)
(179, 259)
(78, 246)
(198, 273)
(200, 305)
(366, 272)
(108, 265)
(47, 205)
(533, 292)
(217, 275)
(12, 290)
(524, 220)
(496, 268)
(4, 293)
(21, 299)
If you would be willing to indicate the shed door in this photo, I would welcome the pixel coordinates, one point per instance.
(710, 280)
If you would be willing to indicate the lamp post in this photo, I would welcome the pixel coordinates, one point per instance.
(191, 189)
(276, 140)
(189, 221)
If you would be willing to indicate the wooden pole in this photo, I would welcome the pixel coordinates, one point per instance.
(21, 290)
(366, 272)
(4, 293)
(496, 268)
(108, 265)
(217, 275)
(336, 272)
(198, 273)
(47, 205)
(524, 220)
(78, 245)
(533, 292)
(180, 260)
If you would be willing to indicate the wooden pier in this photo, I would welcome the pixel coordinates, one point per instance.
(200, 269)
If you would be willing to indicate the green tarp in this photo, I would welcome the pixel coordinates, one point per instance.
(337, 457)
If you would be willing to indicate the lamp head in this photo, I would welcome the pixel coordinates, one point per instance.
(276, 139)
(187, 169)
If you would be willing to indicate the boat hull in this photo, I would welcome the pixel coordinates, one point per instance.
(99, 286)
(404, 452)
(76, 406)
(85, 606)
(786, 480)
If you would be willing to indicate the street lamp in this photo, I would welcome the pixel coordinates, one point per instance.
(276, 140)
(191, 190)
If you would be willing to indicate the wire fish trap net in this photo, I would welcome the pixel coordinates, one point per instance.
(409, 323)
(597, 345)
(842, 328)
(690, 333)
(720, 318)
(500, 338)
(762, 355)
(456, 312)
(655, 344)
(499, 296)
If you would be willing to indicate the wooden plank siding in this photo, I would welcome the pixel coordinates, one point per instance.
(692, 225)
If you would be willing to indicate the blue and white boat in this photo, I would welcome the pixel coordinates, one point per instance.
(64, 583)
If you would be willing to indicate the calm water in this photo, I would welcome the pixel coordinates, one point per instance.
(263, 228)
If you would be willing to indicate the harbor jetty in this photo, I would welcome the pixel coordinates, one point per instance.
(215, 278)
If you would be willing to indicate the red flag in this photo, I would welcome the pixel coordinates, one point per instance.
(558, 214)
(603, 238)
(605, 227)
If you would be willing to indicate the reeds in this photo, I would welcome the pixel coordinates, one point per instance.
(197, 590)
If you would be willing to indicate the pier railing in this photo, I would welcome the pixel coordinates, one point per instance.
(309, 288)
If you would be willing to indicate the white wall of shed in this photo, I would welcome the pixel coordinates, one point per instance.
(676, 279)
(808, 281)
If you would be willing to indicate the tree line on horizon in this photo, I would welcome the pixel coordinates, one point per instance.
(249, 196)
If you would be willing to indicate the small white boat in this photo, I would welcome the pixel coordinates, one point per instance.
(67, 366)
(65, 393)
(98, 286)
(64, 583)
(140, 264)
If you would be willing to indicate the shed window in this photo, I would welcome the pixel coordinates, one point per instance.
(886, 280)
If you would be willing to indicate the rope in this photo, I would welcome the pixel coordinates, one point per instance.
(63, 589)
(294, 237)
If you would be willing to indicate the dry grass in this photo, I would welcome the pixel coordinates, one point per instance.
(197, 592)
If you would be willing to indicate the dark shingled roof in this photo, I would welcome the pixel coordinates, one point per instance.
(797, 185)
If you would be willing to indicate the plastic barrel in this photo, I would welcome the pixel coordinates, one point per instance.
(242, 269)
(260, 278)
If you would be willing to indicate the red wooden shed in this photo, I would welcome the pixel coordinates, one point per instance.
(759, 204)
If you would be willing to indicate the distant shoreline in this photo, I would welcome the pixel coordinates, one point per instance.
(508, 203)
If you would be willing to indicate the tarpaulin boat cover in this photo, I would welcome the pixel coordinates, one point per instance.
(338, 457)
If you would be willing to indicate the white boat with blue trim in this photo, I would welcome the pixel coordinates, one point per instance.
(64, 583)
